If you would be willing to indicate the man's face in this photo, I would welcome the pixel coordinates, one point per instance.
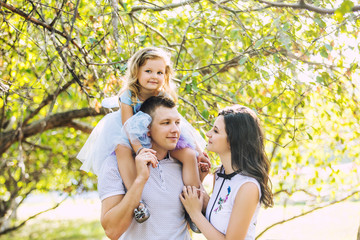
(165, 128)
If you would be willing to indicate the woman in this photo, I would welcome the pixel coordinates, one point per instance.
(241, 184)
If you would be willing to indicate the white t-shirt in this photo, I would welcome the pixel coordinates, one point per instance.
(161, 195)
(222, 201)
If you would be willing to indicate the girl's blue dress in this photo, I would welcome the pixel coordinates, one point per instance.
(110, 132)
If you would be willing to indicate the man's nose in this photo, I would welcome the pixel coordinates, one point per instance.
(175, 127)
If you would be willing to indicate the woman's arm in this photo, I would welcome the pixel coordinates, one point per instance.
(244, 208)
(246, 201)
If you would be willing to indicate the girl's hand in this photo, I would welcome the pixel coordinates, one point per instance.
(204, 165)
(192, 199)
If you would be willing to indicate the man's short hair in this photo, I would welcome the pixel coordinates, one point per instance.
(152, 103)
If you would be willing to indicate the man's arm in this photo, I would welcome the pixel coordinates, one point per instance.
(117, 211)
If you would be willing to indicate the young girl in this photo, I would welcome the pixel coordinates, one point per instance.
(149, 73)
(242, 182)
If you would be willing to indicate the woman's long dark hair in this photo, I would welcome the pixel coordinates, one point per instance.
(248, 156)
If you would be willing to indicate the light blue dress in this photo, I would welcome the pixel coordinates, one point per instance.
(109, 132)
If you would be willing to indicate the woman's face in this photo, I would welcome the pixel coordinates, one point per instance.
(218, 142)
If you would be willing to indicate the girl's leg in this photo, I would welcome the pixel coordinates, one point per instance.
(190, 172)
(127, 169)
(126, 165)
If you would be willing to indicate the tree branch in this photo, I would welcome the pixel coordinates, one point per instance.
(156, 31)
(307, 212)
(80, 126)
(46, 101)
(165, 7)
(29, 218)
(42, 24)
(51, 122)
(196, 110)
(303, 5)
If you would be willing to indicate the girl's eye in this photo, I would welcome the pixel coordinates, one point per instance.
(177, 123)
(165, 123)
(216, 131)
(148, 71)
(161, 73)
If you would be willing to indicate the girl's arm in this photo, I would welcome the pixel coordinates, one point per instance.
(126, 113)
(244, 208)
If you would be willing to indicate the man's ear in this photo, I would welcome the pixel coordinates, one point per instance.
(148, 133)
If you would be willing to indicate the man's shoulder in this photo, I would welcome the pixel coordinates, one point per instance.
(109, 180)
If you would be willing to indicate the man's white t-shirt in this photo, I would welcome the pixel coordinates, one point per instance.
(161, 195)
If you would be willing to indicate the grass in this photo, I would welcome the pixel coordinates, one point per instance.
(58, 229)
(79, 219)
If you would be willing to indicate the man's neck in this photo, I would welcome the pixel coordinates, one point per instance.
(160, 153)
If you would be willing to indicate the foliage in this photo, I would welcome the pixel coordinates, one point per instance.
(294, 62)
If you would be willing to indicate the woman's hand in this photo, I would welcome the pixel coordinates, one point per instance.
(192, 199)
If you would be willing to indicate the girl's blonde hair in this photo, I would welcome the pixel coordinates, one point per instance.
(138, 60)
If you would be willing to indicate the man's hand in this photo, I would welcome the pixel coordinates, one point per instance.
(143, 160)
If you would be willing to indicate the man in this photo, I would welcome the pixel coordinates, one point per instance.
(158, 182)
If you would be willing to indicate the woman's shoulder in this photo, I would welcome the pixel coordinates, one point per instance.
(241, 180)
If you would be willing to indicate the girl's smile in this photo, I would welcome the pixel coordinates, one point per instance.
(151, 75)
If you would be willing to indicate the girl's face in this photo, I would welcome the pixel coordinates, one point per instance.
(218, 142)
(151, 75)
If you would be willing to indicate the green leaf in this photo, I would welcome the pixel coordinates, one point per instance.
(328, 47)
(276, 58)
(346, 6)
(319, 79)
(324, 53)
(194, 74)
(310, 137)
(259, 43)
(205, 114)
(243, 59)
(320, 22)
(286, 27)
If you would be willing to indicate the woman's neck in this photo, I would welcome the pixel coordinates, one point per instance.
(226, 162)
